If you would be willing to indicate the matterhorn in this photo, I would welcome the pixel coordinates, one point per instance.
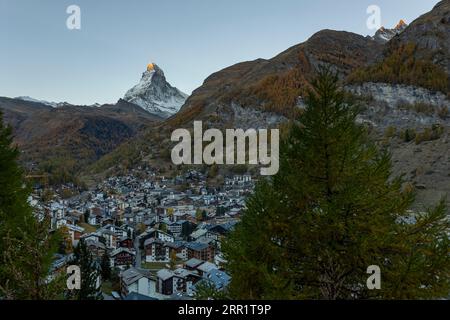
(155, 95)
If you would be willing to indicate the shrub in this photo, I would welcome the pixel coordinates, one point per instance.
(429, 134)
(443, 112)
(423, 136)
(408, 135)
(390, 132)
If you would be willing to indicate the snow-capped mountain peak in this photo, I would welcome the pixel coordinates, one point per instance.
(402, 25)
(384, 35)
(30, 99)
(154, 94)
(52, 104)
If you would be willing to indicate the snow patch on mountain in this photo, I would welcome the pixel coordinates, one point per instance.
(48, 103)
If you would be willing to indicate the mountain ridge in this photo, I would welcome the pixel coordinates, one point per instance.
(384, 35)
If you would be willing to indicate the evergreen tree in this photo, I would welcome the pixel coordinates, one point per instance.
(206, 290)
(333, 210)
(106, 266)
(27, 260)
(14, 208)
(27, 246)
(86, 215)
(89, 274)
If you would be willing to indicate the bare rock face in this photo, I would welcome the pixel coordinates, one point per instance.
(395, 94)
(401, 106)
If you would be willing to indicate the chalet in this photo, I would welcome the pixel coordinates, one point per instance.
(156, 250)
(92, 236)
(128, 218)
(179, 247)
(219, 260)
(186, 217)
(218, 232)
(121, 232)
(137, 200)
(61, 222)
(140, 217)
(165, 282)
(155, 234)
(110, 237)
(192, 264)
(95, 216)
(176, 228)
(75, 233)
(75, 216)
(183, 281)
(201, 251)
(205, 268)
(197, 234)
(123, 257)
(139, 281)
(58, 210)
(97, 248)
(107, 220)
(118, 215)
(125, 242)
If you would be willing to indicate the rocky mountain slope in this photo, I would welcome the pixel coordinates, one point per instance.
(155, 95)
(431, 34)
(275, 85)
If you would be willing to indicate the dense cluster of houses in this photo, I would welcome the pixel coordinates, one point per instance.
(162, 236)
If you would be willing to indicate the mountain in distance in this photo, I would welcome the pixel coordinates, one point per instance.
(48, 103)
(384, 35)
(51, 104)
(155, 95)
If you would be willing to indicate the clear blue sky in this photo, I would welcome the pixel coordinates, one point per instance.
(188, 39)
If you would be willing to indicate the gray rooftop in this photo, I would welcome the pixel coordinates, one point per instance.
(193, 263)
(164, 274)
